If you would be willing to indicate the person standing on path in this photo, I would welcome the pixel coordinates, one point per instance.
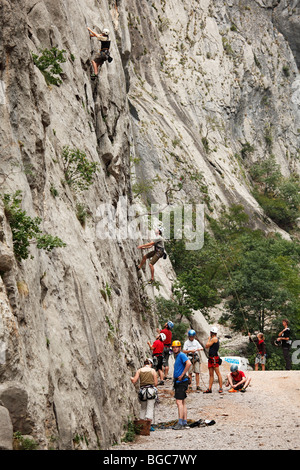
(213, 359)
(167, 330)
(181, 381)
(157, 349)
(191, 348)
(259, 341)
(284, 337)
(148, 391)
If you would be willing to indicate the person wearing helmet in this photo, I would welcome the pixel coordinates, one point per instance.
(181, 381)
(213, 359)
(167, 330)
(148, 392)
(157, 349)
(104, 53)
(156, 254)
(191, 348)
(237, 379)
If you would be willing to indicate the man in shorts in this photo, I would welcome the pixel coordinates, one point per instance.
(181, 382)
(191, 348)
(154, 255)
(237, 380)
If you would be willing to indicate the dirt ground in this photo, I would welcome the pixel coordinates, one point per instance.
(266, 416)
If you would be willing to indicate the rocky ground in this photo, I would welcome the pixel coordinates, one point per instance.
(266, 417)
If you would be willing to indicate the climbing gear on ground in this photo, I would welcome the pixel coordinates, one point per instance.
(176, 343)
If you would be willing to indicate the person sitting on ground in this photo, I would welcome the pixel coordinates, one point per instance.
(148, 392)
(191, 348)
(104, 53)
(156, 254)
(157, 349)
(237, 379)
(167, 330)
(181, 367)
(213, 359)
(260, 358)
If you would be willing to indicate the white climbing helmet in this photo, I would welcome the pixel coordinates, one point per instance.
(163, 336)
(214, 329)
(106, 31)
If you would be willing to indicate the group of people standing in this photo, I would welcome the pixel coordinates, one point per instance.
(187, 361)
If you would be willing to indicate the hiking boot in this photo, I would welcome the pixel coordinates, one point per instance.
(161, 382)
(178, 427)
(198, 388)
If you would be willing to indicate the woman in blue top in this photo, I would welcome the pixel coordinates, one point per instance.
(181, 367)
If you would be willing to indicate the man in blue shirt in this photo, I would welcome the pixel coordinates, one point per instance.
(181, 367)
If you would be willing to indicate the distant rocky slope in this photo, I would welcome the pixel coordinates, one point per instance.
(192, 83)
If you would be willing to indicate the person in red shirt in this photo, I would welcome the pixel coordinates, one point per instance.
(167, 330)
(157, 349)
(237, 380)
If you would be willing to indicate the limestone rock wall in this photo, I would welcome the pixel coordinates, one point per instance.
(190, 83)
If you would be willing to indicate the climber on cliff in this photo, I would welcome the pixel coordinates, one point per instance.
(156, 254)
(104, 53)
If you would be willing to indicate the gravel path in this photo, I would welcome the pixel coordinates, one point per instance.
(266, 416)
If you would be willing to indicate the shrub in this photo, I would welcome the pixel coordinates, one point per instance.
(79, 171)
(48, 63)
(26, 229)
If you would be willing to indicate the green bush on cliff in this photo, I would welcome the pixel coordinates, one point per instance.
(25, 229)
(48, 63)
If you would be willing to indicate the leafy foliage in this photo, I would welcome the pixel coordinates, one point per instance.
(26, 229)
(278, 196)
(79, 171)
(48, 63)
(256, 275)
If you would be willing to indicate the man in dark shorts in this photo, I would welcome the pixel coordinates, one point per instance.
(154, 255)
(284, 338)
(181, 382)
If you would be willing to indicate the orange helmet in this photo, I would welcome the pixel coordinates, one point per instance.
(176, 343)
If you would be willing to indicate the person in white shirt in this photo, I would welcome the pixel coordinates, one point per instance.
(191, 348)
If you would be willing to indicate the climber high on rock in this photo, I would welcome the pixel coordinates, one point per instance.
(104, 53)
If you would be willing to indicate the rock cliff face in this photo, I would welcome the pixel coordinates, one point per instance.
(191, 82)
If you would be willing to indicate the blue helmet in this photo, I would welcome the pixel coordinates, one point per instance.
(170, 324)
(234, 368)
(192, 333)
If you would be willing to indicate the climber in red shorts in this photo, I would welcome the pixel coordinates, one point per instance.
(213, 360)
